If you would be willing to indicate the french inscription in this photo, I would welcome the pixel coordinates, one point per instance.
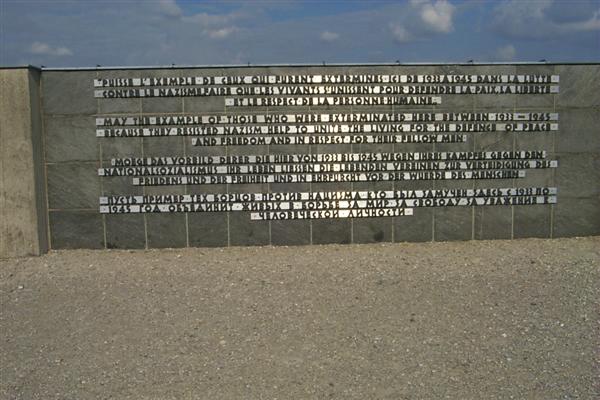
(320, 79)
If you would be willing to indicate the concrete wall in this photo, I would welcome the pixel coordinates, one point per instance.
(72, 154)
(23, 229)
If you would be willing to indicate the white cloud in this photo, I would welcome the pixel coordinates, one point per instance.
(221, 33)
(506, 53)
(437, 16)
(205, 19)
(40, 48)
(216, 26)
(170, 8)
(400, 34)
(543, 18)
(591, 24)
(422, 19)
(328, 36)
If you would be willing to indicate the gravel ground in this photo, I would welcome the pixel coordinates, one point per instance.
(469, 320)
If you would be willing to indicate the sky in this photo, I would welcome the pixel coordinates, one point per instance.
(87, 33)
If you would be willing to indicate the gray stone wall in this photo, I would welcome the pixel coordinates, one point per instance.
(23, 229)
(73, 154)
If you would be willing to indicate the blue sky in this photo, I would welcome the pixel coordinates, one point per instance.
(164, 32)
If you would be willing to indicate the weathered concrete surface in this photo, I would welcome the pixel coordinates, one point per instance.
(73, 154)
(458, 320)
(22, 200)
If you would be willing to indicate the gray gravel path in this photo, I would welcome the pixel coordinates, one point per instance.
(471, 320)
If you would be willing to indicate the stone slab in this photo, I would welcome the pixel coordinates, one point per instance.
(70, 138)
(577, 217)
(245, 232)
(207, 229)
(331, 231)
(76, 230)
(23, 215)
(493, 222)
(415, 228)
(453, 223)
(166, 230)
(64, 194)
(68, 92)
(290, 233)
(125, 231)
(532, 222)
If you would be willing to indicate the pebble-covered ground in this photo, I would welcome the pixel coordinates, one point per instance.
(464, 320)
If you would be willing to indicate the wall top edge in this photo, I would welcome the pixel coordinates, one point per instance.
(294, 65)
(33, 67)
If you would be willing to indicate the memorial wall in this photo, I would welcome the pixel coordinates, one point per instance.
(236, 156)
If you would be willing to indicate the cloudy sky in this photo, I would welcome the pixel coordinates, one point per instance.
(182, 32)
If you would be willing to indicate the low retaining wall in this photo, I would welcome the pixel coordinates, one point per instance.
(236, 156)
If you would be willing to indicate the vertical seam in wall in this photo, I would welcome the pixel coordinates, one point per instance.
(145, 215)
(33, 96)
(310, 221)
(473, 183)
(45, 177)
(473, 222)
(393, 235)
(474, 214)
(100, 156)
(269, 191)
(227, 188)
(433, 208)
(185, 187)
(36, 151)
(352, 190)
(474, 109)
(553, 183)
(102, 192)
(514, 181)
(473, 207)
(433, 187)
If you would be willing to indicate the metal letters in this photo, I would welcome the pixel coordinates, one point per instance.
(302, 111)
